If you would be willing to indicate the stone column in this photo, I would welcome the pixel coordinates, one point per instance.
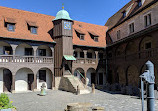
(35, 82)
(13, 83)
(14, 48)
(85, 55)
(96, 53)
(35, 52)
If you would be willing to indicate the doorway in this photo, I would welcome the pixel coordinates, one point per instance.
(100, 78)
(30, 81)
(7, 78)
(93, 78)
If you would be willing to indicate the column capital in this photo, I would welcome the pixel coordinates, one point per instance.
(96, 52)
(85, 51)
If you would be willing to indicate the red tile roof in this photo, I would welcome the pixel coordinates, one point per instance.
(44, 24)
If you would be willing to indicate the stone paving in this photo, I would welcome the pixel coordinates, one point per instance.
(57, 100)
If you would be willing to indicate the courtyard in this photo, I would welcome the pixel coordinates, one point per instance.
(56, 100)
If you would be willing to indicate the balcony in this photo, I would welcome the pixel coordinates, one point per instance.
(85, 61)
(25, 59)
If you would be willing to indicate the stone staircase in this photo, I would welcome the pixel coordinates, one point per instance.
(70, 82)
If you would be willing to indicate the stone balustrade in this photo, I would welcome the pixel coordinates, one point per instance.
(85, 61)
(25, 59)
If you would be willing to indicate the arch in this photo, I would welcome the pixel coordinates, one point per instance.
(91, 76)
(91, 54)
(44, 50)
(131, 48)
(101, 76)
(132, 76)
(79, 70)
(24, 79)
(121, 76)
(146, 43)
(119, 50)
(5, 48)
(45, 75)
(5, 80)
(101, 54)
(24, 49)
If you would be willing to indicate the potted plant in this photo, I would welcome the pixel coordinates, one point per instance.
(5, 104)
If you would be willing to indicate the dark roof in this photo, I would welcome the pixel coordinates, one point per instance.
(117, 18)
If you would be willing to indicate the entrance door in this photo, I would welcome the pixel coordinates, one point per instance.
(30, 81)
(100, 78)
(7, 78)
(93, 78)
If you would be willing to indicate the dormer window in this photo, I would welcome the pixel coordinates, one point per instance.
(139, 3)
(32, 27)
(10, 24)
(11, 27)
(81, 37)
(34, 30)
(94, 36)
(124, 14)
(80, 34)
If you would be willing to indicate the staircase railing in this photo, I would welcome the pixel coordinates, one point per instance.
(82, 76)
(72, 75)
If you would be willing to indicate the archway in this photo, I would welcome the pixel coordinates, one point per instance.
(5, 48)
(5, 80)
(24, 79)
(44, 50)
(131, 48)
(91, 76)
(101, 76)
(133, 76)
(24, 50)
(44, 76)
(80, 73)
(121, 76)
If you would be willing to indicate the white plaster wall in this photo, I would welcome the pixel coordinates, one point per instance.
(48, 50)
(21, 79)
(49, 78)
(1, 80)
(20, 50)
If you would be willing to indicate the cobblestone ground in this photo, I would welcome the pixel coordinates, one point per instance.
(57, 101)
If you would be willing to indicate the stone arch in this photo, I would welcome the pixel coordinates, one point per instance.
(46, 76)
(5, 48)
(146, 43)
(91, 76)
(44, 50)
(24, 79)
(24, 49)
(78, 53)
(132, 76)
(119, 50)
(131, 48)
(5, 80)
(121, 76)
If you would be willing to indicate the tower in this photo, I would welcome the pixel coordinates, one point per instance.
(62, 34)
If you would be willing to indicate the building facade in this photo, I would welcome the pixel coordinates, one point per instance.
(132, 41)
(37, 49)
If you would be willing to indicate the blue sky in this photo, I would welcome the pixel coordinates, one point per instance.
(90, 11)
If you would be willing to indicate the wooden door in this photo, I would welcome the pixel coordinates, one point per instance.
(7, 78)
(30, 81)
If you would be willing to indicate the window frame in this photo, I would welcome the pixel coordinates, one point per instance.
(31, 30)
(148, 19)
(131, 28)
(13, 27)
(96, 39)
(43, 54)
(82, 36)
(118, 34)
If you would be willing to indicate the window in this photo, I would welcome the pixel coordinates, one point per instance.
(100, 55)
(96, 39)
(42, 75)
(42, 52)
(89, 55)
(75, 54)
(81, 54)
(7, 50)
(124, 14)
(34, 30)
(139, 3)
(11, 27)
(118, 34)
(81, 37)
(148, 45)
(147, 20)
(28, 51)
(131, 28)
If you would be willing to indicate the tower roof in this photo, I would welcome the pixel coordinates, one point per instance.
(62, 14)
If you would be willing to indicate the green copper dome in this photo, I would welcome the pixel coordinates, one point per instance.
(62, 14)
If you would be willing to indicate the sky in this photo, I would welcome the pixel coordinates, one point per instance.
(90, 11)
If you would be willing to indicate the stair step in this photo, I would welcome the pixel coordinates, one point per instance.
(85, 91)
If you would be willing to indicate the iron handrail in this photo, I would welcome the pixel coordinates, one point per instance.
(81, 75)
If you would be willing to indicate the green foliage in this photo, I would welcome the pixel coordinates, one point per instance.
(5, 102)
